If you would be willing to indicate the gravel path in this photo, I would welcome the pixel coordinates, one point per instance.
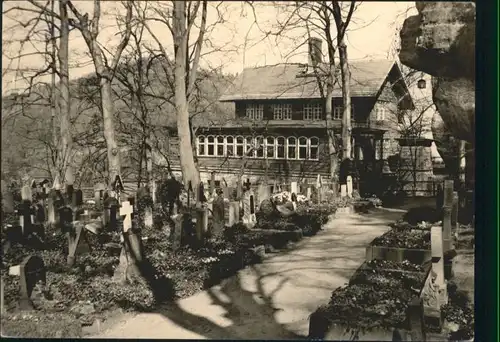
(272, 300)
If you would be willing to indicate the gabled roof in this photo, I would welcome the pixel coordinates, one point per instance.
(288, 81)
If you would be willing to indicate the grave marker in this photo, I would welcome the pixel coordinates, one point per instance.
(435, 293)
(126, 210)
(26, 193)
(447, 235)
(77, 243)
(111, 206)
(348, 186)
(218, 213)
(2, 305)
(343, 190)
(177, 233)
(294, 188)
(32, 270)
(234, 213)
(249, 217)
(263, 192)
(212, 184)
(201, 222)
(26, 217)
(309, 193)
(454, 211)
(66, 219)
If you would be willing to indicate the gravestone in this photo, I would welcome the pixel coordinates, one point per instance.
(349, 186)
(26, 193)
(212, 184)
(234, 213)
(111, 206)
(434, 293)
(201, 223)
(32, 271)
(26, 217)
(454, 212)
(145, 207)
(447, 235)
(126, 210)
(177, 231)
(294, 188)
(343, 190)
(226, 192)
(51, 207)
(77, 243)
(218, 214)
(249, 217)
(309, 193)
(263, 193)
(66, 219)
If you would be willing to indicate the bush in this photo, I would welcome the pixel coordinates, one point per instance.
(424, 213)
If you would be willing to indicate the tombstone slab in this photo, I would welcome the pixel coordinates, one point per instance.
(77, 242)
(343, 190)
(126, 210)
(349, 186)
(177, 231)
(218, 215)
(249, 217)
(234, 213)
(32, 271)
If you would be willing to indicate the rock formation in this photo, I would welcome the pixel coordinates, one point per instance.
(440, 41)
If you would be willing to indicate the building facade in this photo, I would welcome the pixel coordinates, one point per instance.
(279, 130)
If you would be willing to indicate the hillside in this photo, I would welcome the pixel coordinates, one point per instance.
(26, 122)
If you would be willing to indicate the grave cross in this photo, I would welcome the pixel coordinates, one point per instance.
(126, 210)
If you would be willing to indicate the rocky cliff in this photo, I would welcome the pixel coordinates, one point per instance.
(440, 41)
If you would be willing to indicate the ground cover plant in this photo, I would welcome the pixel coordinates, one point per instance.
(377, 296)
(87, 291)
(411, 239)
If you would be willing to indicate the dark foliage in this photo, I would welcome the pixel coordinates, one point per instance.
(412, 239)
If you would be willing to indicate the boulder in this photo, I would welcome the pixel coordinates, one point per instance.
(440, 41)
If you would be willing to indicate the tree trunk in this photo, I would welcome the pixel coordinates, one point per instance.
(114, 166)
(332, 152)
(149, 166)
(461, 161)
(64, 104)
(346, 101)
(189, 170)
(53, 101)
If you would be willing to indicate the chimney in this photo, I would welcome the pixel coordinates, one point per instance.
(315, 53)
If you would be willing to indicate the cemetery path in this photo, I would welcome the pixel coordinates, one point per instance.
(272, 300)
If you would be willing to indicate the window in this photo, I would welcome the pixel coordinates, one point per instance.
(280, 148)
(302, 148)
(270, 147)
(220, 146)
(313, 111)
(239, 146)
(249, 147)
(229, 146)
(313, 148)
(201, 146)
(380, 112)
(211, 146)
(282, 111)
(338, 112)
(255, 111)
(291, 148)
(259, 147)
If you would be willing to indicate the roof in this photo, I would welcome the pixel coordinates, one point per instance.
(281, 82)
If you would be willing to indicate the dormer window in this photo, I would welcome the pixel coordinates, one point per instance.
(282, 111)
(255, 111)
(313, 111)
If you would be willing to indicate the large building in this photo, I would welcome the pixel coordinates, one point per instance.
(279, 128)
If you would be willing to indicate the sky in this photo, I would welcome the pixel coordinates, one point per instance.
(372, 32)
